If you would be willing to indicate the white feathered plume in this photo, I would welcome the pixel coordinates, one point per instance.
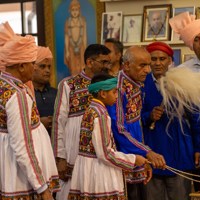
(180, 88)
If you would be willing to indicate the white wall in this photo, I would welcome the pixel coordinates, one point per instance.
(136, 7)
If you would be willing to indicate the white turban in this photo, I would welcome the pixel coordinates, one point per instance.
(186, 25)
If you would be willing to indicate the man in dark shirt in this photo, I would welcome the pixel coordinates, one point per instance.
(45, 94)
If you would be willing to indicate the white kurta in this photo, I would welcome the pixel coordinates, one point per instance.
(98, 168)
(27, 161)
(71, 102)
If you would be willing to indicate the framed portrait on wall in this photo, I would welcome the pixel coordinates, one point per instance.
(198, 12)
(175, 37)
(132, 28)
(111, 26)
(156, 22)
(177, 57)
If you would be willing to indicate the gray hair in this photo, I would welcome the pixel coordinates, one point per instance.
(128, 55)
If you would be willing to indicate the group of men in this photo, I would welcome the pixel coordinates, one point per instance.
(29, 168)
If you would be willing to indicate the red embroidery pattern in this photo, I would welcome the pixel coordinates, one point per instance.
(79, 96)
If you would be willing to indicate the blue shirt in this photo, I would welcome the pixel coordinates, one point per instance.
(168, 139)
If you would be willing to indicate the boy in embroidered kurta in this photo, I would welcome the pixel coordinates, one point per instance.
(72, 100)
(125, 115)
(98, 168)
(27, 166)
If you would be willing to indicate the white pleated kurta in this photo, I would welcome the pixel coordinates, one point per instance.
(71, 101)
(27, 160)
(98, 168)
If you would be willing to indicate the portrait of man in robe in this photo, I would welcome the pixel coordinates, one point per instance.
(155, 23)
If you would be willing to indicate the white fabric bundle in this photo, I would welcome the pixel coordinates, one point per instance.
(180, 88)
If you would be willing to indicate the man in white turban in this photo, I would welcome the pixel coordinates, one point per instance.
(189, 29)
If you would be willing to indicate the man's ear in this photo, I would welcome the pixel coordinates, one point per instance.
(102, 94)
(21, 67)
(126, 66)
(118, 55)
(89, 62)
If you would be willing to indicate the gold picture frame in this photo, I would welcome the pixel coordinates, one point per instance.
(49, 35)
(198, 12)
(50, 32)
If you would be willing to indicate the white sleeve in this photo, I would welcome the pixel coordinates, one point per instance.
(18, 110)
(102, 141)
(60, 118)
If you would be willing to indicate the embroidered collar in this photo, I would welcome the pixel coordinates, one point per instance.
(98, 102)
(122, 73)
(85, 75)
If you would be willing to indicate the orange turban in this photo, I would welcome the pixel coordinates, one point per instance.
(6, 33)
(186, 25)
(18, 50)
(160, 46)
(43, 53)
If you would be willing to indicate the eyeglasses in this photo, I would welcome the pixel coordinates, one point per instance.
(103, 62)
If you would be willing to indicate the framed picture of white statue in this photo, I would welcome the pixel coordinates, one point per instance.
(132, 28)
(111, 26)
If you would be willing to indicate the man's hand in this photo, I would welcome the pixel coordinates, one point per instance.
(156, 113)
(62, 168)
(140, 160)
(148, 171)
(156, 160)
(47, 121)
(197, 159)
(46, 195)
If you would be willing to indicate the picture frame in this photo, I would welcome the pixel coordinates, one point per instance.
(198, 12)
(187, 57)
(91, 13)
(175, 37)
(111, 0)
(177, 57)
(132, 28)
(156, 23)
(111, 26)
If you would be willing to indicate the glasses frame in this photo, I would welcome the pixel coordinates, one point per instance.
(103, 62)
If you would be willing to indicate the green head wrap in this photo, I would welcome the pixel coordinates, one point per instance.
(108, 84)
